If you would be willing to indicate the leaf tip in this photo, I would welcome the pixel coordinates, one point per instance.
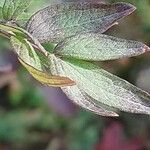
(114, 115)
(147, 48)
(127, 8)
(109, 114)
(68, 81)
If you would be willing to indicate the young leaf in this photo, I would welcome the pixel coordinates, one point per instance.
(19, 32)
(102, 86)
(47, 79)
(26, 52)
(37, 63)
(99, 47)
(56, 22)
(14, 8)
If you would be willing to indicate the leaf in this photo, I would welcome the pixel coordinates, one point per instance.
(47, 79)
(101, 86)
(81, 98)
(99, 47)
(23, 18)
(37, 64)
(13, 30)
(26, 52)
(56, 22)
(14, 8)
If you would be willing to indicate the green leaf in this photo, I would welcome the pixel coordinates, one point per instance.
(99, 47)
(56, 22)
(83, 99)
(37, 63)
(14, 8)
(23, 18)
(100, 86)
(27, 53)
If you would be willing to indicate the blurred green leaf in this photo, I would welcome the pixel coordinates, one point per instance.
(13, 126)
(2, 3)
(20, 124)
(144, 11)
(84, 131)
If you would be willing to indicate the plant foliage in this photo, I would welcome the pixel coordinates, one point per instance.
(77, 29)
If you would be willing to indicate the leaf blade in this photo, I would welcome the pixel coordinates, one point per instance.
(104, 87)
(56, 22)
(14, 8)
(47, 79)
(82, 99)
(99, 47)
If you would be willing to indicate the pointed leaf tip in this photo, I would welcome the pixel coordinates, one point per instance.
(57, 22)
(125, 7)
(147, 49)
(99, 47)
(47, 79)
(102, 88)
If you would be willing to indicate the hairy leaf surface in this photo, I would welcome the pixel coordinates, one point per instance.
(81, 98)
(99, 47)
(101, 86)
(14, 8)
(56, 22)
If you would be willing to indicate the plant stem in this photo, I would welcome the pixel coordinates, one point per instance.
(36, 46)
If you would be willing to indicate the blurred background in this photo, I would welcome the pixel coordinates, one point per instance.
(34, 117)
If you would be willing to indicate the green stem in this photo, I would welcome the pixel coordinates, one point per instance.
(8, 31)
